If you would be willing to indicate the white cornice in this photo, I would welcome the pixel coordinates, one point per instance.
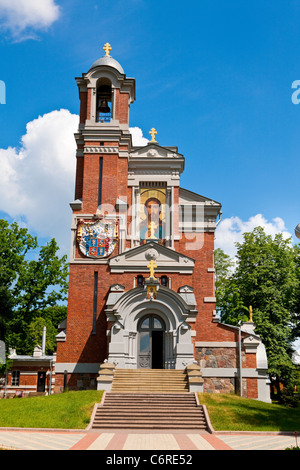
(136, 259)
(101, 149)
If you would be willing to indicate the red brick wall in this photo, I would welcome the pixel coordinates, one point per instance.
(83, 346)
(79, 177)
(121, 106)
(252, 390)
(251, 361)
(83, 106)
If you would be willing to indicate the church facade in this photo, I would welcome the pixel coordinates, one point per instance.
(141, 286)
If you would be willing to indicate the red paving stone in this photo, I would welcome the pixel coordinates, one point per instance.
(184, 442)
(117, 442)
(85, 442)
(217, 443)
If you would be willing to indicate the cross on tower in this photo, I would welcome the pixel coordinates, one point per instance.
(153, 133)
(107, 48)
(151, 267)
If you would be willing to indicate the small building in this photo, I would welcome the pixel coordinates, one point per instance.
(29, 375)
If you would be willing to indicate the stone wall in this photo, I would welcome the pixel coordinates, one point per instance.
(213, 357)
(217, 357)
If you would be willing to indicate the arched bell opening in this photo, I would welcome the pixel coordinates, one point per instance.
(104, 101)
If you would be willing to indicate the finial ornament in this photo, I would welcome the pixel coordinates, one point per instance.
(153, 133)
(107, 48)
(250, 313)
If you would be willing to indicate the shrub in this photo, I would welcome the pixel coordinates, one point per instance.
(288, 398)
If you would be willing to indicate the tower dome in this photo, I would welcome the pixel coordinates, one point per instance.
(108, 60)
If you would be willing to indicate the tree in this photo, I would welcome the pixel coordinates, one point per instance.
(35, 334)
(228, 300)
(266, 278)
(31, 280)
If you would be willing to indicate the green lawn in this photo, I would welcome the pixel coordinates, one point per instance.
(72, 410)
(233, 413)
(69, 410)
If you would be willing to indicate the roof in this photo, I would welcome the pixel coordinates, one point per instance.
(108, 61)
(19, 357)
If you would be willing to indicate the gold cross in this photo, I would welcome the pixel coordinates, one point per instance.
(250, 311)
(107, 48)
(152, 133)
(151, 267)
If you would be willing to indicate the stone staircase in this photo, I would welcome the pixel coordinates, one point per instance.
(149, 399)
(149, 411)
(150, 381)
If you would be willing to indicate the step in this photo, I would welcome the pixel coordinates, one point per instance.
(150, 420)
(148, 395)
(149, 411)
(149, 381)
(151, 417)
(148, 426)
(144, 402)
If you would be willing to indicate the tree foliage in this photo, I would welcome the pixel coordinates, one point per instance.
(266, 277)
(32, 280)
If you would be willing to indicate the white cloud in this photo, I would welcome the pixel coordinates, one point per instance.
(23, 17)
(230, 231)
(37, 180)
(137, 137)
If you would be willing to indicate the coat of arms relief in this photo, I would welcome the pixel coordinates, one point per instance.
(97, 238)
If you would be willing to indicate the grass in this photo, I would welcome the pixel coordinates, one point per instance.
(72, 410)
(234, 413)
(69, 410)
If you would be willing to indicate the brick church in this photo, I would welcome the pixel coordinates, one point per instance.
(141, 286)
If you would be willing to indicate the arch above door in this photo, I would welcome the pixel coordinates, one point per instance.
(127, 315)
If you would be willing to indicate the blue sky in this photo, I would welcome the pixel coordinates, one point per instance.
(214, 78)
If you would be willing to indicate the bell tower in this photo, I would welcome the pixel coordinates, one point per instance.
(103, 137)
(98, 215)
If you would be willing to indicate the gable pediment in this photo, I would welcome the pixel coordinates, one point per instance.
(187, 197)
(137, 260)
(155, 151)
(153, 155)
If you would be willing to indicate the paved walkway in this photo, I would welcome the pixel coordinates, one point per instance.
(141, 440)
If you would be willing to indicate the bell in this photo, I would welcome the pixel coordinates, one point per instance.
(104, 108)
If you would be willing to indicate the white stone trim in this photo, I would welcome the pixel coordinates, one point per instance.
(74, 367)
(126, 314)
(231, 372)
(216, 344)
(97, 150)
(167, 260)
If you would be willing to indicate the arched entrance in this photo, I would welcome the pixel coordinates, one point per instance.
(151, 329)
